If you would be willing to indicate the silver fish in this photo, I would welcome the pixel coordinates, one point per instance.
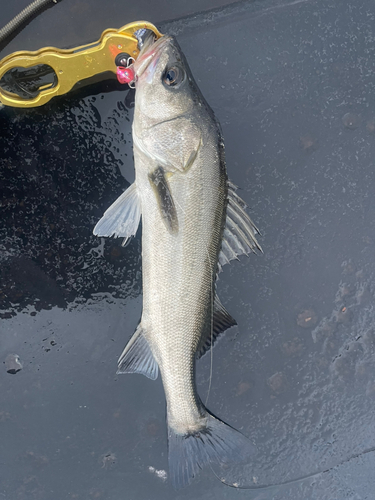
(193, 223)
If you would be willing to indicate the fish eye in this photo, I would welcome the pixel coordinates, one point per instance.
(173, 76)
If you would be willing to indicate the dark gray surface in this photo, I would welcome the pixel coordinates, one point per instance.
(293, 87)
(71, 23)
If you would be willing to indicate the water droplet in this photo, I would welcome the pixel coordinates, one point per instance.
(351, 120)
(13, 363)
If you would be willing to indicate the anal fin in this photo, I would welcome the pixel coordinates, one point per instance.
(137, 357)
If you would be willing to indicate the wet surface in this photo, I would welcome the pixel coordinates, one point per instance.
(292, 84)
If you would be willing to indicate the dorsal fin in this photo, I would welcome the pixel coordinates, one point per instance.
(222, 320)
(240, 231)
(137, 357)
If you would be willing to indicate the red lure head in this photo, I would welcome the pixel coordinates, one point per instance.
(125, 75)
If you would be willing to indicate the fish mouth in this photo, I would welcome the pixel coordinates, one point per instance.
(150, 55)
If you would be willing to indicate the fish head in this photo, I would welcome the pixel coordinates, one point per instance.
(171, 117)
(165, 88)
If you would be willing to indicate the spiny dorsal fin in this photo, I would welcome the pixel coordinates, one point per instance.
(240, 232)
(137, 357)
(222, 320)
(122, 217)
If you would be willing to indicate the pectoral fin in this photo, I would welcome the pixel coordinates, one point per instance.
(137, 357)
(164, 198)
(122, 217)
(222, 320)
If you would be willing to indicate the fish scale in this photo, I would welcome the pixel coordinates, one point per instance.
(182, 268)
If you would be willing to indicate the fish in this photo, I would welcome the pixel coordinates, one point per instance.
(193, 223)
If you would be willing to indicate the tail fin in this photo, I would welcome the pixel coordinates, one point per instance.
(217, 443)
